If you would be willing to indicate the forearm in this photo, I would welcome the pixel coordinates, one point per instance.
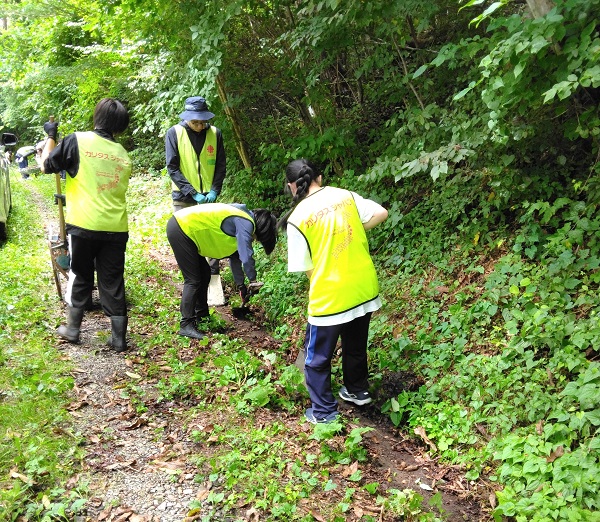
(379, 216)
(48, 148)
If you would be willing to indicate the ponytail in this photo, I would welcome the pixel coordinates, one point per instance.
(303, 173)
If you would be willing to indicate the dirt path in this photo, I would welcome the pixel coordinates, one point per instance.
(136, 462)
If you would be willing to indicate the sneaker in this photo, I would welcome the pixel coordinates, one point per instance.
(310, 417)
(359, 398)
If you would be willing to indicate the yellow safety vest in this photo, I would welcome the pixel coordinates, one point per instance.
(202, 224)
(199, 170)
(96, 195)
(343, 276)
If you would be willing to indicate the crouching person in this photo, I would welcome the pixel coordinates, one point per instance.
(98, 170)
(216, 230)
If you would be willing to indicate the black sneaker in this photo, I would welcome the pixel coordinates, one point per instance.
(359, 398)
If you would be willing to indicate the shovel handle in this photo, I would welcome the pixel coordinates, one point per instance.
(61, 214)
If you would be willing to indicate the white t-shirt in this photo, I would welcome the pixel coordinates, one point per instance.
(299, 260)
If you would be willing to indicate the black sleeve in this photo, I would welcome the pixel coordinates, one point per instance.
(219, 176)
(173, 164)
(65, 156)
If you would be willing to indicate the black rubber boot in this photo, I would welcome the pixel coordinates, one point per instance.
(71, 331)
(191, 331)
(118, 324)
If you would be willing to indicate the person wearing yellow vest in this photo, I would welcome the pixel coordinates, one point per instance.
(327, 240)
(98, 170)
(216, 230)
(195, 158)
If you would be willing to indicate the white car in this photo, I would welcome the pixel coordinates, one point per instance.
(7, 140)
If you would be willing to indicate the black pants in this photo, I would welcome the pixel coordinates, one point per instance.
(196, 274)
(107, 259)
(319, 345)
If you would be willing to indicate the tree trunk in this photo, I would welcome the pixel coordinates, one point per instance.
(233, 119)
(540, 8)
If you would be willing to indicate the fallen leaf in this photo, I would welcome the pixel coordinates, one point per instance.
(14, 474)
(72, 482)
(316, 516)
(558, 452)
(350, 470)
(172, 464)
(138, 423)
(117, 465)
(133, 375)
(420, 431)
(252, 515)
(539, 427)
(139, 518)
(492, 498)
(424, 486)
(203, 493)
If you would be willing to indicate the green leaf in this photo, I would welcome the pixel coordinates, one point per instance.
(464, 92)
(371, 487)
(519, 69)
(419, 71)
(593, 417)
(356, 476)
(330, 485)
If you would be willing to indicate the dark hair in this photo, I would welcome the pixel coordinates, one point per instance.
(302, 172)
(110, 115)
(266, 229)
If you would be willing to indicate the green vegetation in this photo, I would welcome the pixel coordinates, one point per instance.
(475, 123)
(39, 450)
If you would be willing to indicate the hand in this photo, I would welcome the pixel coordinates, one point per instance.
(199, 198)
(211, 197)
(51, 129)
(254, 287)
(243, 290)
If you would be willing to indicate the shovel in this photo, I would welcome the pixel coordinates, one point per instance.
(58, 244)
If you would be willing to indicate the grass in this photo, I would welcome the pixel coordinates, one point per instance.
(37, 451)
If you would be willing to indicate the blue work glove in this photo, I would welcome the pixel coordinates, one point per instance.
(199, 198)
(211, 197)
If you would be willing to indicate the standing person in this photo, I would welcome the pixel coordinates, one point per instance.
(327, 240)
(96, 215)
(22, 159)
(216, 230)
(195, 159)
